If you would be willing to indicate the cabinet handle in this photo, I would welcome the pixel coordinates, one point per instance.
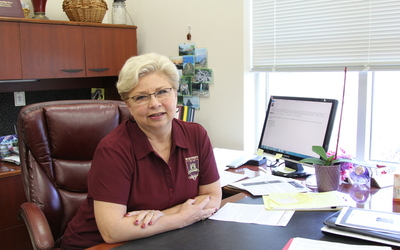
(71, 70)
(99, 69)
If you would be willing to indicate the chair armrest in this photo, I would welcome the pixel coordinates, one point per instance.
(38, 227)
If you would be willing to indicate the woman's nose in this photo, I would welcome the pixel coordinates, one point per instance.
(154, 101)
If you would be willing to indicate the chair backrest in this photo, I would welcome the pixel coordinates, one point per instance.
(57, 141)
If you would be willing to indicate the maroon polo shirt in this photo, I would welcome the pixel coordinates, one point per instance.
(126, 170)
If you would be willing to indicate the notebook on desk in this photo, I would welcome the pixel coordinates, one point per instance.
(332, 226)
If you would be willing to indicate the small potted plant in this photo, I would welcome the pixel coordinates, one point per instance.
(329, 168)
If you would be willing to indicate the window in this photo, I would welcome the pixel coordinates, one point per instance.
(301, 48)
(369, 129)
(385, 127)
(323, 85)
(325, 35)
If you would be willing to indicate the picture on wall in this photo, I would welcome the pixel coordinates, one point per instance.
(178, 61)
(191, 101)
(203, 75)
(97, 93)
(200, 89)
(187, 49)
(185, 86)
(188, 65)
(201, 57)
(194, 74)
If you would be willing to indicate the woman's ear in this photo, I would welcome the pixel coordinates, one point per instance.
(128, 105)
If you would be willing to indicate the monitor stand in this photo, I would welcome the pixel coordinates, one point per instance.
(290, 170)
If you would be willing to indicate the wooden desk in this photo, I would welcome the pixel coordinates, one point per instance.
(13, 232)
(378, 199)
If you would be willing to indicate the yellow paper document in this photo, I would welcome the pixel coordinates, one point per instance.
(304, 201)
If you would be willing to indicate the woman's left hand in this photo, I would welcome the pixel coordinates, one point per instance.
(145, 217)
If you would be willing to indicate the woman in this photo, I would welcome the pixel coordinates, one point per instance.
(151, 174)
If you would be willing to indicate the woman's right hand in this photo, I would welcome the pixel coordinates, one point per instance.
(196, 212)
(145, 217)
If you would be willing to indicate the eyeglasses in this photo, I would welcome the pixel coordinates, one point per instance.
(145, 98)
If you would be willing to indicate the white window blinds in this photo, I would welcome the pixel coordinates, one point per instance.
(325, 35)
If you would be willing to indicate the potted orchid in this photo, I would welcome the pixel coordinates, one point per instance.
(330, 168)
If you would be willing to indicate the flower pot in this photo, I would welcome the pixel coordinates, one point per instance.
(328, 177)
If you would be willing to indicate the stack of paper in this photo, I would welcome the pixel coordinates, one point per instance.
(252, 213)
(267, 184)
(305, 201)
(13, 159)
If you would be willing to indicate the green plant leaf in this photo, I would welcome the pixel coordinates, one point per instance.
(312, 161)
(325, 160)
(320, 151)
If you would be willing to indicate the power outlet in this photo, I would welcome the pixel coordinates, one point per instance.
(19, 98)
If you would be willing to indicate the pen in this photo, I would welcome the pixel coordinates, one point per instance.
(262, 169)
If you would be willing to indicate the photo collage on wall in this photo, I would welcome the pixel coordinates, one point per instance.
(195, 76)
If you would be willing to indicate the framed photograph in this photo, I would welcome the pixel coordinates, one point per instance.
(19, 98)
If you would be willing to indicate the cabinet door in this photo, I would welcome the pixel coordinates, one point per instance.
(52, 51)
(107, 49)
(10, 54)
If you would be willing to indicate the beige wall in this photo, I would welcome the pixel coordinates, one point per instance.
(218, 26)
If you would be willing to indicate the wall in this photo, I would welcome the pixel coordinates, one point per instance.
(219, 26)
(9, 112)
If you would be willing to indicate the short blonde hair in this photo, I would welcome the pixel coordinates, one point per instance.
(139, 66)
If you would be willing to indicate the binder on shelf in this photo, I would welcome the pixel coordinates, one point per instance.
(185, 113)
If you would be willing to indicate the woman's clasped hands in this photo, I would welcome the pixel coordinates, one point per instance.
(145, 217)
(190, 212)
(193, 212)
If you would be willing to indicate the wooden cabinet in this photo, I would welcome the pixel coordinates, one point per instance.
(13, 232)
(107, 49)
(48, 49)
(10, 55)
(52, 51)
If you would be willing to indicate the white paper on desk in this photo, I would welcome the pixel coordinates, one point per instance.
(224, 157)
(267, 184)
(251, 213)
(306, 244)
(227, 178)
(13, 159)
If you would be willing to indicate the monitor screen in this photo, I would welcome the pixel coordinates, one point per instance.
(294, 124)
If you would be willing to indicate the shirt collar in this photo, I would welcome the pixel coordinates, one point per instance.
(141, 145)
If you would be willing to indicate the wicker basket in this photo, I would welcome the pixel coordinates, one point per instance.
(91, 11)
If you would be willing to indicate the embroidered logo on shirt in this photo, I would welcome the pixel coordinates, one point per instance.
(192, 164)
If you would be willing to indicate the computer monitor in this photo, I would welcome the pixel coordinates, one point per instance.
(293, 125)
